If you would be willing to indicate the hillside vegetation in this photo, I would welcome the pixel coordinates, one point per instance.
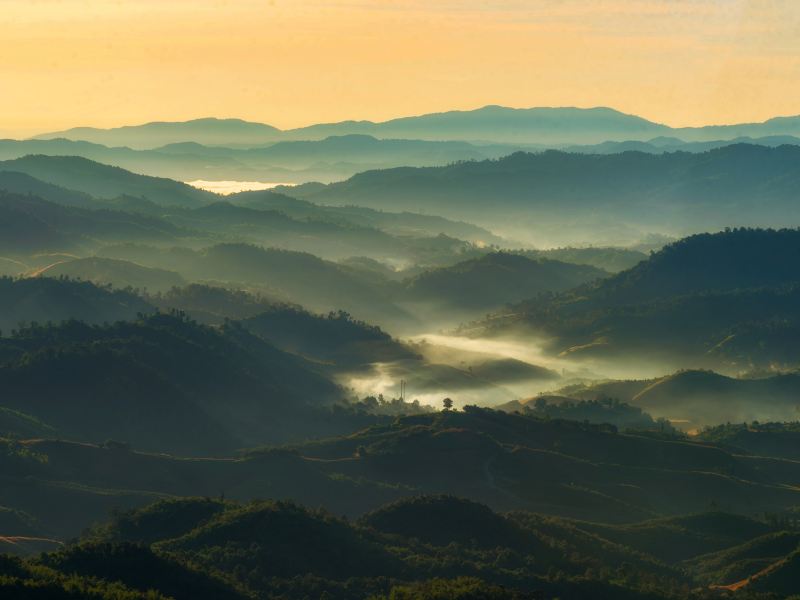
(708, 300)
(423, 547)
(160, 383)
(567, 197)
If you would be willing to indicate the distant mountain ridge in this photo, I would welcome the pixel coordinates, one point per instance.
(210, 129)
(542, 125)
(527, 194)
(328, 159)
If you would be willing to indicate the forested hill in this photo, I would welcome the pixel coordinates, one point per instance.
(726, 299)
(335, 338)
(648, 501)
(495, 279)
(30, 225)
(103, 181)
(162, 383)
(682, 190)
(43, 300)
(729, 260)
(426, 548)
(14, 182)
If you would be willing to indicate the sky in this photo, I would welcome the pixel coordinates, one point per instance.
(290, 63)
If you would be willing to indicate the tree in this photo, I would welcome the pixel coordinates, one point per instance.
(448, 403)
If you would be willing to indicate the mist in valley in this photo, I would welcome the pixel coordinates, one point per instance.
(471, 300)
(534, 379)
(459, 300)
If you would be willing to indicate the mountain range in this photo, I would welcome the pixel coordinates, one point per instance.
(332, 158)
(497, 124)
(328, 159)
(556, 196)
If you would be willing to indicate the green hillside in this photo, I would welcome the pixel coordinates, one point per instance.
(493, 280)
(740, 562)
(23, 184)
(119, 273)
(103, 181)
(299, 277)
(565, 197)
(762, 439)
(510, 462)
(696, 399)
(336, 338)
(424, 547)
(43, 300)
(727, 299)
(160, 383)
(397, 223)
(32, 225)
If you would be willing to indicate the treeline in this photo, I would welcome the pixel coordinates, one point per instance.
(431, 547)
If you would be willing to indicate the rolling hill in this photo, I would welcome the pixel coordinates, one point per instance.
(363, 357)
(293, 551)
(705, 398)
(45, 300)
(493, 280)
(600, 409)
(726, 261)
(213, 305)
(610, 259)
(405, 223)
(733, 565)
(329, 159)
(66, 220)
(778, 578)
(23, 184)
(662, 144)
(302, 278)
(711, 300)
(696, 399)
(510, 462)
(761, 439)
(592, 198)
(333, 239)
(415, 548)
(31, 225)
(108, 271)
(103, 181)
(335, 339)
(160, 383)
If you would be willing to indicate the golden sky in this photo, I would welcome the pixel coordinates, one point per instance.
(295, 62)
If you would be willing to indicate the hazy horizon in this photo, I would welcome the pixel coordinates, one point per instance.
(310, 122)
(294, 63)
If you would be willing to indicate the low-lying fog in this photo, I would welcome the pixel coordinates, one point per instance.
(486, 372)
(232, 187)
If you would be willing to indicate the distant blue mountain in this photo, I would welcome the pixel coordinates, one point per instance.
(496, 124)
